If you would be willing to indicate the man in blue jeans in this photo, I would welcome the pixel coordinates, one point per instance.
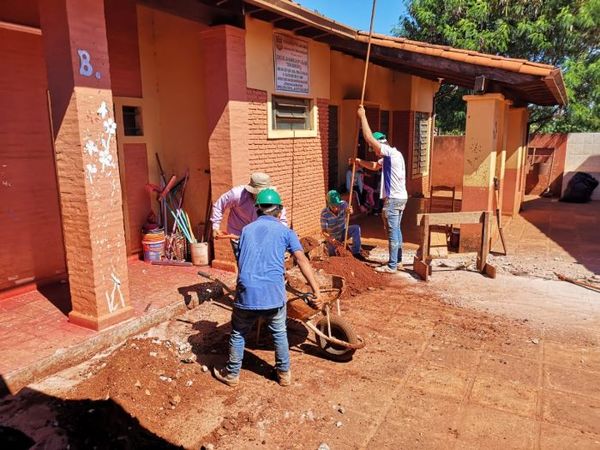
(392, 191)
(333, 223)
(261, 287)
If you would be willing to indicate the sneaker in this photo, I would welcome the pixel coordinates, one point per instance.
(284, 378)
(385, 269)
(225, 377)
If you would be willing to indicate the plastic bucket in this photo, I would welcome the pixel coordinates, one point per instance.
(199, 253)
(153, 250)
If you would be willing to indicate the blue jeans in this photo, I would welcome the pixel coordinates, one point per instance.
(241, 323)
(393, 210)
(354, 234)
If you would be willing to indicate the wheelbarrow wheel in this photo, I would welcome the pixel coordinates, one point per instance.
(339, 330)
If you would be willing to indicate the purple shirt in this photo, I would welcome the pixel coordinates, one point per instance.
(241, 210)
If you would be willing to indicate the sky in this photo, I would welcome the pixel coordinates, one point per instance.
(357, 13)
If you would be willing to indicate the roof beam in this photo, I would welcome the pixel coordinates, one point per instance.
(293, 11)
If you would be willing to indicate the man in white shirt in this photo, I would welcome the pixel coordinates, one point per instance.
(392, 191)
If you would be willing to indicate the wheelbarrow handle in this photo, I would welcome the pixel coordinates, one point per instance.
(308, 298)
(227, 236)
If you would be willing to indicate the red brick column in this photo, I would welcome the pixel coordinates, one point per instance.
(86, 160)
(224, 58)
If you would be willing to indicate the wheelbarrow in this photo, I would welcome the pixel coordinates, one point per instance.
(334, 336)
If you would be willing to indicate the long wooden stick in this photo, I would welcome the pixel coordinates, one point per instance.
(362, 100)
(580, 283)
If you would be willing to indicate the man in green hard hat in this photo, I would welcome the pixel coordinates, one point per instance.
(392, 191)
(333, 222)
(261, 287)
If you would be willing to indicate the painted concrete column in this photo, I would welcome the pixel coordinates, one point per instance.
(76, 56)
(503, 130)
(482, 135)
(516, 148)
(225, 93)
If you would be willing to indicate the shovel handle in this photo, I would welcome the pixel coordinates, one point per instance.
(226, 236)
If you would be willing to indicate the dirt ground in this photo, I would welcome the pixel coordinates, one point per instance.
(438, 371)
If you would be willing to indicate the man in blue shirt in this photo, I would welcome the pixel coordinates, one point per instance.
(261, 287)
(333, 223)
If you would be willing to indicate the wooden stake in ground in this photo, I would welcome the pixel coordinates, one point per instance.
(362, 100)
(499, 214)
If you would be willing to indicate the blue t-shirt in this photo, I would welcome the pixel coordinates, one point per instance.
(261, 283)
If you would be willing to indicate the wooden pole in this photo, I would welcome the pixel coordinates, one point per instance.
(362, 99)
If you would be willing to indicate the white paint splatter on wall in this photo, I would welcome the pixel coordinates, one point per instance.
(91, 171)
(111, 300)
(102, 155)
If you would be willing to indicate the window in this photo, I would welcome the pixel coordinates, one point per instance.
(291, 113)
(420, 154)
(132, 121)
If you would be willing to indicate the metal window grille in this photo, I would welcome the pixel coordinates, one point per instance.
(132, 121)
(291, 113)
(420, 154)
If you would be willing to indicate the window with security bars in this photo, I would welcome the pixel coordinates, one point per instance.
(291, 113)
(420, 154)
(132, 121)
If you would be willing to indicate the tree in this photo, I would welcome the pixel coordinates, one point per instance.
(564, 33)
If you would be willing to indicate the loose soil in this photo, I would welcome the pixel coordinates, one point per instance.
(309, 243)
(432, 375)
(359, 277)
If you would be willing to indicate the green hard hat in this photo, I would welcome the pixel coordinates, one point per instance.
(378, 135)
(268, 197)
(334, 198)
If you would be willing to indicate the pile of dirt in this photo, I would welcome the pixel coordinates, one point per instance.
(340, 250)
(151, 379)
(309, 243)
(359, 277)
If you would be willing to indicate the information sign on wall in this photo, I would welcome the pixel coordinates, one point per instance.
(291, 64)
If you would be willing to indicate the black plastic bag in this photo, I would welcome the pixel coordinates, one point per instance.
(580, 188)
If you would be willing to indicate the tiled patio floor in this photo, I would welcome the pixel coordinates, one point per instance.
(34, 325)
(550, 229)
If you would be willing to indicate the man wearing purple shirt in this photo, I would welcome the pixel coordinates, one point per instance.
(242, 210)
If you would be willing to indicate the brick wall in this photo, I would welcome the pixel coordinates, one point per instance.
(582, 155)
(123, 48)
(298, 167)
(557, 145)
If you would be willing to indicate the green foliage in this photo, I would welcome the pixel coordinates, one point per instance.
(564, 33)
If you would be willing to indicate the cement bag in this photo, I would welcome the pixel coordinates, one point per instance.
(580, 188)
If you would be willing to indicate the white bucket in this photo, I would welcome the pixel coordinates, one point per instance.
(199, 253)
